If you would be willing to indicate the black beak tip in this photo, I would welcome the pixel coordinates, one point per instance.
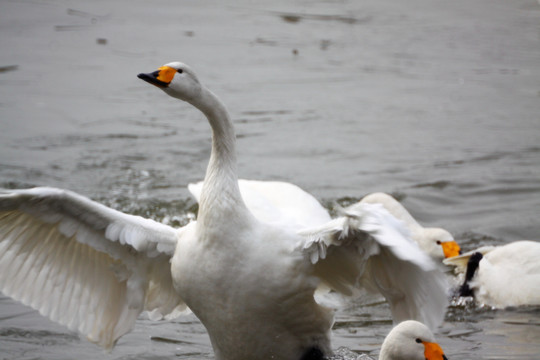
(146, 77)
(152, 79)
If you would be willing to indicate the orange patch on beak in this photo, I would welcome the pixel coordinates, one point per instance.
(450, 248)
(433, 351)
(166, 74)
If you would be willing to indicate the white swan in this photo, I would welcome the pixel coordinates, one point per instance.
(437, 242)
(411, 340)
(250, 283)
(501, 276)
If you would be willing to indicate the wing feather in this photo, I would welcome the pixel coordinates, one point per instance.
(366, 247)
(83, 265)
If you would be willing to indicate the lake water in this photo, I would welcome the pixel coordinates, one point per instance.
(436, 102)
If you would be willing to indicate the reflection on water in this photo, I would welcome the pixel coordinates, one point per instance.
(434, 102)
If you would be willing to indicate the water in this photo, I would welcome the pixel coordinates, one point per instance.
(435, 102)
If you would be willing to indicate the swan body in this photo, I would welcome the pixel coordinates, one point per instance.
(501, 276)
(250, 282)
(437, 242)
(411, 340)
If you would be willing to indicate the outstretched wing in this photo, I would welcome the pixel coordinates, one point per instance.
(82, 264)
(366, 247)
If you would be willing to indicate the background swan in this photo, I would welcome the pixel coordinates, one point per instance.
(501, 276)
(437, 242)
(250, 283)
(411, 340)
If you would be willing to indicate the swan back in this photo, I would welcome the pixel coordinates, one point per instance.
(280, 203)
(509, 275)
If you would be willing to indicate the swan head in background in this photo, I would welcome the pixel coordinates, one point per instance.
(439, 243)
(411, 340)
(176, 79)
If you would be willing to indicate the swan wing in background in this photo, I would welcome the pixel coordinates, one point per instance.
(84, 265)
(367, 247)
(393, 206)
(437, 242)
(279, 203)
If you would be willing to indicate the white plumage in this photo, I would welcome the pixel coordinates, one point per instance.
(411, 340)
(79, 263)
(250, 282)
(287, 205)
(437, 242)
(277, 202)
(506, 275)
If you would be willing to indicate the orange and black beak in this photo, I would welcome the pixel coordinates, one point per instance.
(160, 78)
(450, 249)
(433, 351)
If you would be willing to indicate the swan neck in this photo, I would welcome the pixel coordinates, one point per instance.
(220, 190)
(222, 129)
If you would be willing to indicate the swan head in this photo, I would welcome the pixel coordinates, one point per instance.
(411, 340)
(439, 243)
(176, 79)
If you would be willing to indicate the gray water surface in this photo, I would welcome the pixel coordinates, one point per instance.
(436, 102)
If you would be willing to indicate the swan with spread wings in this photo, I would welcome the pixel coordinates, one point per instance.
(250, 282)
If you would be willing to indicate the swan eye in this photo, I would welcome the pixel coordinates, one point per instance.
(180, 71)
(418, 340)
(438, 242)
